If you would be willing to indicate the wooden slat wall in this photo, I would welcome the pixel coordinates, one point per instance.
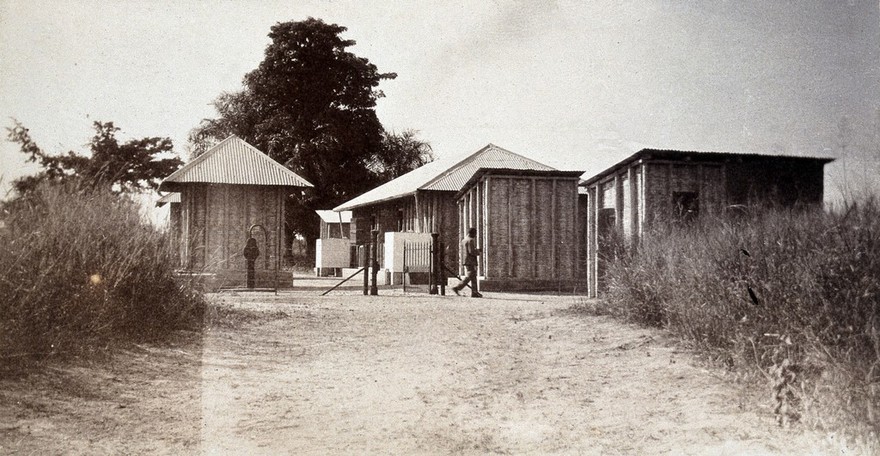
(497, 229)
(543, 227)
(216, 219)
(529, 226)
(641, 195)
(519, 222)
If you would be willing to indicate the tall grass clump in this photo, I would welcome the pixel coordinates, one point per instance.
(82, 269)
(790, 296)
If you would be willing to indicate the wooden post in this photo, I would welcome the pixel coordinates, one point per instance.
(374, 262)
(510, 266)
(670, 207)
(441, 268)
(645, 214)
(533, 235)
(633, 205)
(599, 199)
(418, 214)
(576, 223)
(553, 228)
(435, 263)
(366, 272)
(487, 231)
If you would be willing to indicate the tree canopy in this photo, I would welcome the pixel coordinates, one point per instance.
(135, 165)
(310, 105)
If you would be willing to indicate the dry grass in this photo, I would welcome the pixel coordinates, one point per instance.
(80, 270)
(788, 297)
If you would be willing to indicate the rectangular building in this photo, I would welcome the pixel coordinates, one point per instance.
(668, 186)
(527, 226)
(231, 193)
(424, 201)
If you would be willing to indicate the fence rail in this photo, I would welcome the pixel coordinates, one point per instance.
(416, 256)
(416, 264)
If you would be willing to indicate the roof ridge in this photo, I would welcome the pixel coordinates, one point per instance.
(202, 157)
(742, 154)
(521, 156)
(243, 154)
(470, 158)
(456, 166)
(264, 156)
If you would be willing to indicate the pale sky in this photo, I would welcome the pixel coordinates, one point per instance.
(577, 85)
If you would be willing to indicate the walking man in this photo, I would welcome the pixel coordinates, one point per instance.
(471, 252)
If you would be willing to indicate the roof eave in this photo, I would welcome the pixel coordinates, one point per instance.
(515, 172)
(724, 156)
(169, 186)
(174, 186)
(349, 206)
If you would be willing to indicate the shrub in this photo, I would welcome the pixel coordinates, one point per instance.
(790, 295)
(81, 269)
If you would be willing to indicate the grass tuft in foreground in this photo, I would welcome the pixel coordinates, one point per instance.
(80, 270)
(792, 297)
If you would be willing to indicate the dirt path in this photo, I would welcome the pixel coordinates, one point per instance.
(351, 374)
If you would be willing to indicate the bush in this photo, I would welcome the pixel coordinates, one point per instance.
(81, 269)
(793, 296)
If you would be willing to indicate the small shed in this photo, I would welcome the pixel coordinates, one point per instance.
(333, 247)
(527, 226)
(335, 225)
(670, 186)
(228, 194)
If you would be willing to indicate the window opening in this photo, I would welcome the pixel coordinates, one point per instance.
(685, 206)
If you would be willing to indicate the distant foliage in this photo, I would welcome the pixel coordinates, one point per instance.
(80, 269)
(790, 295)
(135, 165)
(400, 154)
(310, 104)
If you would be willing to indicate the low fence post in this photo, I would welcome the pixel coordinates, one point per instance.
(441, 268)
(374, 262)
(432, 274)
(366, 266)
(431, 267)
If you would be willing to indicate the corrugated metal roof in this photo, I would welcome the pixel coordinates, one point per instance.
(406, 184)
(173, 197)
(334, 217)
(689, 155)
(554, 173)
(444, 175)
(234, 161)
(488, 157)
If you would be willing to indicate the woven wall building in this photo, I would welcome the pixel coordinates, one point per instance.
(667, 186)
(527, 224)
(423, 200)
(229, 193)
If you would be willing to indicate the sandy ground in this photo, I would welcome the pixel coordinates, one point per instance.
(295, 373)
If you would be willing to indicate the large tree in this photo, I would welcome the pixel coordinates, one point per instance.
(139, 164)
(400, 154)
(311, 106)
